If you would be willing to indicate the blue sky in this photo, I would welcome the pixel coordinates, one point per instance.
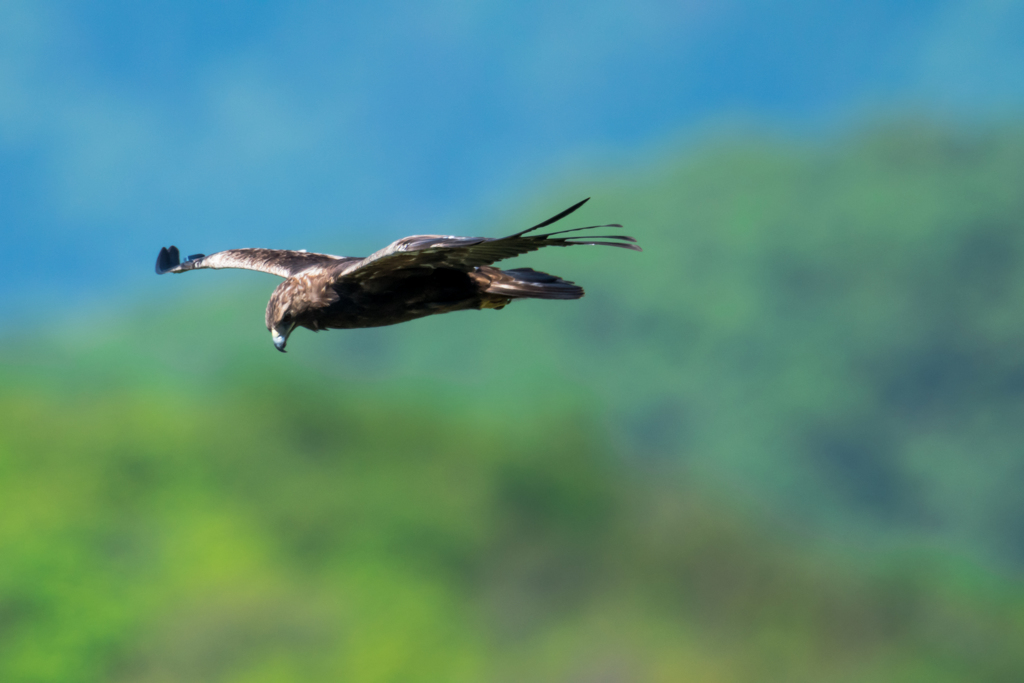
(126, 126)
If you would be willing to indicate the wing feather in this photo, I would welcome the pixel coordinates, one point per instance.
(466, 253)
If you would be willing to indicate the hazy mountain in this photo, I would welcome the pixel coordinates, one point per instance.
(830, 333)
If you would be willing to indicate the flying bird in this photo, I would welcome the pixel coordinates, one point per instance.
(411, 278)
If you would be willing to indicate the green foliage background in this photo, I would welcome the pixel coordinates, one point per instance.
(782, 444)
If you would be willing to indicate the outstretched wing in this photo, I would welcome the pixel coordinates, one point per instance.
(278, 262)
(466, 253)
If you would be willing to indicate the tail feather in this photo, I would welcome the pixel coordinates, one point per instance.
(527, 283)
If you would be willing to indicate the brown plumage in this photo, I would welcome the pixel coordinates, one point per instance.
(411, 278)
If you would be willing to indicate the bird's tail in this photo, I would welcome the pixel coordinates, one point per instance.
(526, 283)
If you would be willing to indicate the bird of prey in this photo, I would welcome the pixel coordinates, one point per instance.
(411, 278)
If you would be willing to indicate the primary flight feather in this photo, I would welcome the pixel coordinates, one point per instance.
(411, 278)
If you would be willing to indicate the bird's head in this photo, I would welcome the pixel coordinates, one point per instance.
(282, 312)
(294, 304)
(280, 325)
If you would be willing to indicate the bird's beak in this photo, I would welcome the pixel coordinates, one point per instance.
(281, 339)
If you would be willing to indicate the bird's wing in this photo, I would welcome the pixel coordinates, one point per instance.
(274, 261)
(466, 253)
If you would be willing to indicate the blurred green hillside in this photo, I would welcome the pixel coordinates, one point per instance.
(785, 443)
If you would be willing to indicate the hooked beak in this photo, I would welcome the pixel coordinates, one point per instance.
(281, 339)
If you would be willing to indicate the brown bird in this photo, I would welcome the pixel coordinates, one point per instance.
(411, 278)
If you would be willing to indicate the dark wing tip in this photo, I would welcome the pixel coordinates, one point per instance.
(167, 259)
(620, 245)
(556, 218)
